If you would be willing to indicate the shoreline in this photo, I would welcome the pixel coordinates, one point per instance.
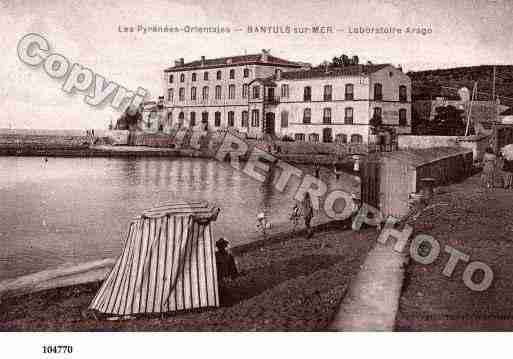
(97, 151)
(316, 270)
(91, 271)
(118, 151)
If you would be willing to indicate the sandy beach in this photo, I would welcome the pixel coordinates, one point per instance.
(290, 283)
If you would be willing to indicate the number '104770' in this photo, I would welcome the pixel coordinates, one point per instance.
(57, 349)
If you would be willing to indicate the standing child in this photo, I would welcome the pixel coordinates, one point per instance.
(295, 216)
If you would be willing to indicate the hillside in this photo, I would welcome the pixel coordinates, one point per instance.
(445, 82)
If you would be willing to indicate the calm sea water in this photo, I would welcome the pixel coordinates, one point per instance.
(71, 210)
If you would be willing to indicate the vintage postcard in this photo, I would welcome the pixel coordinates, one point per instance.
(271, 166)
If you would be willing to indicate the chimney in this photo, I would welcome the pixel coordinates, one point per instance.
(179, 62)
(202, 60)
(326, 68)
(265, 55)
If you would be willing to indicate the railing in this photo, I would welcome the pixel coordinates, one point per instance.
(271, 100)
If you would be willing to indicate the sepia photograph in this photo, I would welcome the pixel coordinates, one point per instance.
(204, 167)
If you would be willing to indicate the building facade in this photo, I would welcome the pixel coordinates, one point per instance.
(154, 117)
(262, 95)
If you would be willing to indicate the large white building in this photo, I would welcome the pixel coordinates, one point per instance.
(262, 94)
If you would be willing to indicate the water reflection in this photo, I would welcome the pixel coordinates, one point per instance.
(78, 209)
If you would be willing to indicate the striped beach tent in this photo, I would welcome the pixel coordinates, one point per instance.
(167, 264)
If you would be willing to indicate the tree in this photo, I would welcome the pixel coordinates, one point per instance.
(419, 125)
(448, 121)
(130, 119)
(375, 123)
(344, 60)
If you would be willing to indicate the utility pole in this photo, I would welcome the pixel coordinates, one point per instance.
(495, 138)
(474, 91)
(493, 84)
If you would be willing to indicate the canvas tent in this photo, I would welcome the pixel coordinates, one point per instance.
(167, 264)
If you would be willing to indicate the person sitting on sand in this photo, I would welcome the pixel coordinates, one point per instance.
(226, 267)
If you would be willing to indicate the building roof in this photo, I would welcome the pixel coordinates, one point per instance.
(321, 71)
(180, 208)
(268, 81)
(508, 112)
(419, 157)
(253, 59)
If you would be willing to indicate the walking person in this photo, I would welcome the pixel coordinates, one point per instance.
(507, 173)
(317, 171)
(295, 216)
(489, 166)
(336, 170)
(307, 212)
(498, 178)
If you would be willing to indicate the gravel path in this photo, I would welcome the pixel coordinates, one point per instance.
(372, 300)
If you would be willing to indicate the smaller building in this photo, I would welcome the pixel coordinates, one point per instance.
(155, 117)
(332, 104)
(506, 117)
(390, 178)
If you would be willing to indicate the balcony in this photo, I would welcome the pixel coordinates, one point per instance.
(271, 100)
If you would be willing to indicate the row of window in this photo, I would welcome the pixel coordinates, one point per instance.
(307, 92)
(284, 117)
(339, 138)
(349, 115)
(255, 118)
(348, 94)
(219, 75)
(205, 93)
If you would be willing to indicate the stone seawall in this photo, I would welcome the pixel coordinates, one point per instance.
(40, 141)
(153, 140)
(29, 139)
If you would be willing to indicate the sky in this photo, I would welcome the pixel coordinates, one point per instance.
(463, 32)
